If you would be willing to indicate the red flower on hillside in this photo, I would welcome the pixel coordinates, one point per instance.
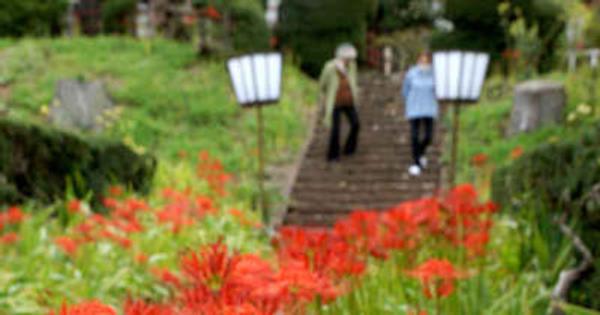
(74, 206)
(86, 308)
(9, 238)
(479, 159)
(211, 13)
(516, 153)
(67, 244)
(437, 277)
(13, 215)
(143, 308)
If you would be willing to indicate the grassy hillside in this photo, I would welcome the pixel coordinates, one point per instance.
(169, 102)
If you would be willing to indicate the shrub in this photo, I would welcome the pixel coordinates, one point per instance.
(250, 31)
(31, 17)
(117, 15)
(563, 177)
(471, 19)
(43, 164)
(396, 15)
(313, 28)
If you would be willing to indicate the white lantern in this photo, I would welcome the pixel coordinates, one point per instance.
(459, 75)
(256, 78)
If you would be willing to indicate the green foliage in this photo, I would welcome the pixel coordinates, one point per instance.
(117, 15)
(250, 32)
(171, 103)
(314, 28)
(563, 177)
(593, 31)
(31, 17)
(477, 26)
(42, 164)
(396, 15)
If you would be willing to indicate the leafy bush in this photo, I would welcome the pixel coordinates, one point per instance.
(117, 14)
(471, 19)
(395, 15)
(250, 30)
(478, 26)
(313, 28)
(564, 177)
(43, 164)
(31, 17)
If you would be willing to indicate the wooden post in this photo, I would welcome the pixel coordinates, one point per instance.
(261, 167)
(455, 138)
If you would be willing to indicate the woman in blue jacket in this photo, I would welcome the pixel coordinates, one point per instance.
(421, 109)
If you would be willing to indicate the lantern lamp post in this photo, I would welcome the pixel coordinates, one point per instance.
(459, 78)
(256, 79)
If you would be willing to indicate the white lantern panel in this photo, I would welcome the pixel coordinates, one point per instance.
(481, 65)
(440, 69)
(468, 73)
(260, 73)
(454, 67)
(235, 72)
(248, 78)
(275, 61)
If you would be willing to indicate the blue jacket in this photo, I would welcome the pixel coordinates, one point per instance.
(419, 94)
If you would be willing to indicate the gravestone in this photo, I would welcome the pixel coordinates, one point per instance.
(537, 104)
(79, 105)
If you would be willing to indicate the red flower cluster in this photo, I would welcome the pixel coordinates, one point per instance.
(211, 170)
(182, 209)
(87, 308)
(9, 219)
(211, 13)
(116, 227)
(479, 159)
(315, 264)
(437, 277)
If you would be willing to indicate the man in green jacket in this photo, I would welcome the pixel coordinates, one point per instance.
(339, 95)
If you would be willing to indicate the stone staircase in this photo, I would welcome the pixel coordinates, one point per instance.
(376, 177)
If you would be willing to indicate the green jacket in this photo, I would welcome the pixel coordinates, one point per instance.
(329, 83)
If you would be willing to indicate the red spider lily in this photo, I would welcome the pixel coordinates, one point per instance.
(74, 206)
(143, 308)
(13, 215)
(141, 258)
(477, 242)
(115, 191)
(67, 244)
(211, 170)
(87, 308)
(437, 277)
(516, 153)
(9, 238)
(511, 54)
(211, 13)
(189, 19)
(363, 230)
(167, 277)
(479, 159)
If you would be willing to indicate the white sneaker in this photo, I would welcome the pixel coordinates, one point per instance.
(423, 161)
(414, 170)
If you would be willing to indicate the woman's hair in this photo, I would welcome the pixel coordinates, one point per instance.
(425, 53)
(346, 51)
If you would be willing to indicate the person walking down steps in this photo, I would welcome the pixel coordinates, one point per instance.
(421, 110)
(338, 93)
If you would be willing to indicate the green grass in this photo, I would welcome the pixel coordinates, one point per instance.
(484, 125)
(169, 101)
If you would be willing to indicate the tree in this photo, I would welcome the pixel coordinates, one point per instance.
(313, 28)
(31, 17)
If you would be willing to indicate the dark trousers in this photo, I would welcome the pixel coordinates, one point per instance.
(420, 142)
(352, 141)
